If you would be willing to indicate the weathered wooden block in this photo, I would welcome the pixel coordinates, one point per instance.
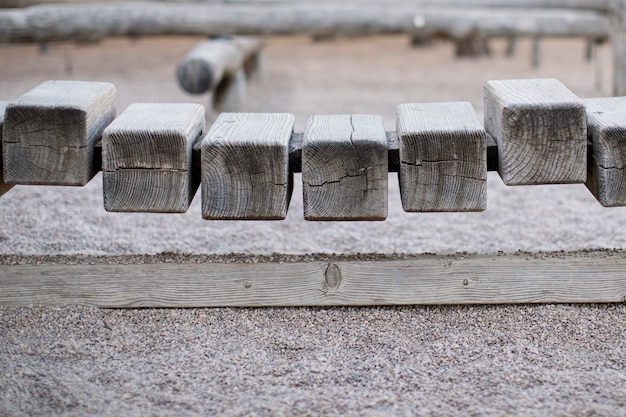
(147, 158)
(443, 157)
(4, 187)
(606, 178)
(541, 131)
(245, 167)
(50, 132)
(345, 168)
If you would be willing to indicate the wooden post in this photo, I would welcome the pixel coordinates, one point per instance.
(3, 186)
(230, 94)
(344, 168)
(618, 39)
(245, 167)
(541, 131)
(210, 61)
(536, 52)
(443, 157)
(147, 158)
(50, 132)
(606, 178)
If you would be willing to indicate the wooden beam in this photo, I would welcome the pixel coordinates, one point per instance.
(300, 281)
(230, 94)
(210, 61)
(541, 131)
(606, 178)
(4, 187)
(147, 158)
(344, 168)
(46, 23)
(245, 167)
(443, 157)
(50, 132)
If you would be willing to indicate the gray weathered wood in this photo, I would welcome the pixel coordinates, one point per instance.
(4, 187)
(606, 121)
(443, 157)
(50, 132)
(93, 21)
(245, 167)
(230, 94)
(617, 10)
(420, 280)
(210, 61)
(541, 131)
(344, 168)
(147, 158)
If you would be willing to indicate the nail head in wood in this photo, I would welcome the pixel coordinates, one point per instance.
(540, 127)
(245, 167)
(606, 178)
(147, 158)
(50, 132)
(345, 168)
(443, 157)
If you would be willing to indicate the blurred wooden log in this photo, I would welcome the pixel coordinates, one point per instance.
(606, 121)
(230, 94)
(245, 167)
(93, 21)
(541, 131)
(50, 132)
(210, 61)
(147, 158)
(443, 157)
(344, 168)
(4, 187)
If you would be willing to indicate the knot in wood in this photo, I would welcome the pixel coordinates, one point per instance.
(332, 277)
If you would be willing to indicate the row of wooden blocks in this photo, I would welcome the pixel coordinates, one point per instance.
(154, 156)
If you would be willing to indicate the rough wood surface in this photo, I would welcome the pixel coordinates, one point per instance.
(541, 131)
(606, 121)
(4, 187)
(93, 21)
(50, 132)
(210, 61)
(147, 158)
(443, 157)
(245, 167)
(344, 168)
(421, 280)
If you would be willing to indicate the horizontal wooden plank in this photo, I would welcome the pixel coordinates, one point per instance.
(427, 279)
(94, 21)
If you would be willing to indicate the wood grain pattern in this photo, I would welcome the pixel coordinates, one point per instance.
(541, 131)
(245, 167)
(210, 61)
(77, 22)
(443, 157)
(4, 187)
(50, 132)
(606, 121)
(423, 280)
(147, 158)
(344, 168)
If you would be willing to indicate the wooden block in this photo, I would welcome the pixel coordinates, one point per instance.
(541, 131)
(344, 168)
(50, 132)
(4, 187)
(245, 167)
(147, 158)
(606, 178)
(443, 157)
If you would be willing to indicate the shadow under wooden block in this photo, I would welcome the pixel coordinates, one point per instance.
(147, 158)
(443, 158)
(541, 131)
(4, 187)
(606, 178)
(50, 132)
(245, 167)
(345, 168)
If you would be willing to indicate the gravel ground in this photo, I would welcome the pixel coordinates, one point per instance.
(479, 360)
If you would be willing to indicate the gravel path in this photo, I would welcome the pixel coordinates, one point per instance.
(480, 360)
